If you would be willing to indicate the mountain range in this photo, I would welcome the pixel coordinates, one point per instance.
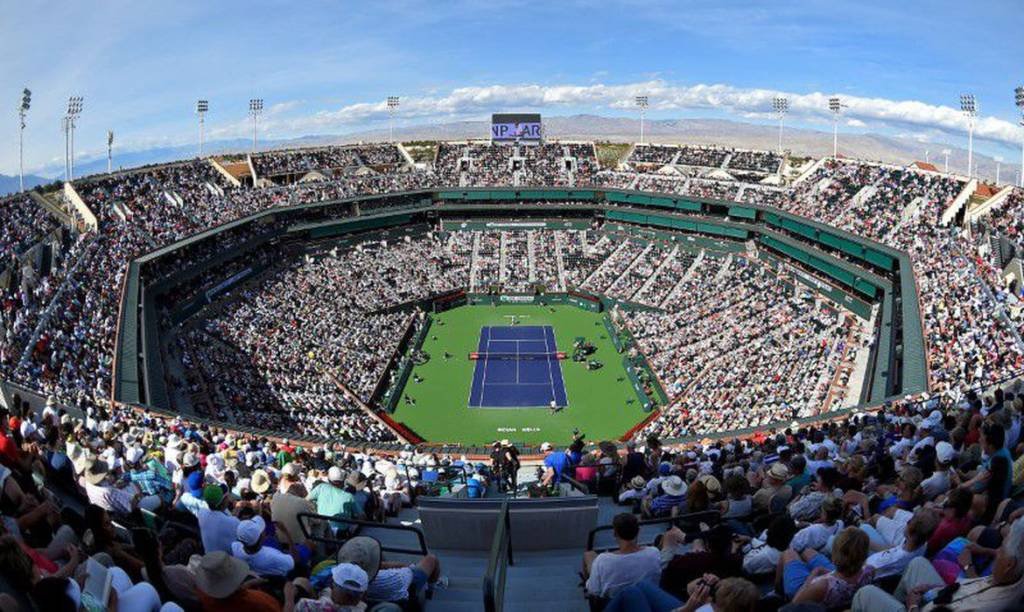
(799, 141)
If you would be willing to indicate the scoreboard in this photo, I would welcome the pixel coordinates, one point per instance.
(506, 127)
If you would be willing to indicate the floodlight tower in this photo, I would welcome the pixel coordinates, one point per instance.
(74, 110)
(255, 110)
(969, 107)
(946, 153)
(1019, 94)
(781, 106)
(202, 106)
(26, 102)
(999, 163)
(836, 106)
(642, 102)
(110, 151)
(392, 109)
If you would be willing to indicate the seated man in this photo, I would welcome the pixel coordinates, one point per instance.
(610, 572)
(894, 559)
(390, 581)
(556, 464)
(263, 560)
(1001, 591)
(673, 496)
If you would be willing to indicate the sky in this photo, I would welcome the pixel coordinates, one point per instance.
(327, 67)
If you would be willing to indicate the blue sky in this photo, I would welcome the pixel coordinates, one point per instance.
(326, 67)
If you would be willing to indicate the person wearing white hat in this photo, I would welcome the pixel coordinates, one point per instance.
(263, 560)
(331, 498)
(349, 583)
(673, 496)
(939, 482)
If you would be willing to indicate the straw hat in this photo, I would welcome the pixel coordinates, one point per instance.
(673, 485)
(778, 471)
(364, 552)
(259, 482)
(96, 472)
(218, 574)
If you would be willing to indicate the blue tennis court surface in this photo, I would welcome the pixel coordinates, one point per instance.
(517, 368)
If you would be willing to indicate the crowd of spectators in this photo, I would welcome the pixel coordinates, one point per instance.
(710, 350)
(123, 510)
(24, 224)
(914, 507)
(506, 165)
(302, 161)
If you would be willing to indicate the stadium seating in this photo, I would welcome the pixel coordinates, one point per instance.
(922, 491)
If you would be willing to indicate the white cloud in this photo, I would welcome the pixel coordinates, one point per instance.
(465, 102)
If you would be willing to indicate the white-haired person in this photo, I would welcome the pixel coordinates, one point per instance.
(922, 588)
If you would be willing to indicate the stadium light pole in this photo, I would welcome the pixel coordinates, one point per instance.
(202, 106)
(836, 106)
(999, 163)
(946, 153)
(969, 107)
(255, 110)
(110, 151)
(392, 109)
(642, 102)
(1019, 94)
(26, 102)
(74, 109)
(781, 106)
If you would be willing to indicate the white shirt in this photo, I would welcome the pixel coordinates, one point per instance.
(217, 529)
(761, 558)
(815, 536)
(892, 561)
(611, 571)
(936, 484)
(266, 561)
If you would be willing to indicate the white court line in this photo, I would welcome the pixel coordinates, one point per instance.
(483, 379)
(551, 374)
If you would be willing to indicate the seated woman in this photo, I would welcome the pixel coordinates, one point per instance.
(811, 578)
(738, 503)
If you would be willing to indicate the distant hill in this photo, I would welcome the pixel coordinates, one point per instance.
(10, 184)
(802, 142)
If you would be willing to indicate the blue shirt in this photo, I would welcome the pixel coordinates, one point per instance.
(663, 504)
(559, 462)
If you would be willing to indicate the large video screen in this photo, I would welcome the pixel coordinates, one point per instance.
(515, 126)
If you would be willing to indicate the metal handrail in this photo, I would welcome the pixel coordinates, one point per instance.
(497, 564)
(714, 516)
(306, 532)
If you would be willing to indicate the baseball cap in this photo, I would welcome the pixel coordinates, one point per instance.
(249, 531)
(213, 495)
(546, 447)
(350, 577)
(945, 452)
(194, 481)
(335, 474)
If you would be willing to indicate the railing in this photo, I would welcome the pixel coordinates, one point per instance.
(707, 516)
(497, 565)
(303, 517)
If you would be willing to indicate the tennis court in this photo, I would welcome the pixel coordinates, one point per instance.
(517, 367)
